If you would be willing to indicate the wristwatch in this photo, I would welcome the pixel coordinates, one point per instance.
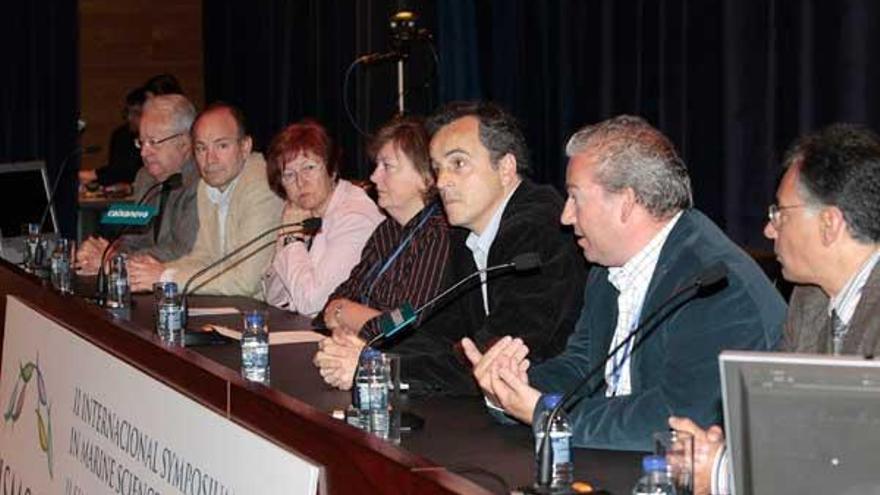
(291, 238)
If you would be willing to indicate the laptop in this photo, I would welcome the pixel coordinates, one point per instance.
(24, 194)
(798, 423)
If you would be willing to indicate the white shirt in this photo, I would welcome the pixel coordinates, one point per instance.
(479, 244)
(632, 281)
(221, 199)
(845, 302)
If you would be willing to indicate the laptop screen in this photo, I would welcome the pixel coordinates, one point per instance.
(802, 423)
(24, 193)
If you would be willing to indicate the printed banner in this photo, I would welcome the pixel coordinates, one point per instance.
(77, 420)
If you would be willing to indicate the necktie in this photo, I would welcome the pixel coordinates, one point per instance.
(163, 199)
(838, 331)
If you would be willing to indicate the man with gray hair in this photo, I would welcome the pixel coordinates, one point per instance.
(166, 148)
(629, 201)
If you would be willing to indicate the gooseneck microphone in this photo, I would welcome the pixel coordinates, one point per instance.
(398, 320)
(378, 58)
(520, 263)
(87, 150)
(709, 277)
(307, 225)
(171, 183)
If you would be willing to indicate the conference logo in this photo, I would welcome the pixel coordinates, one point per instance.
(27, 374)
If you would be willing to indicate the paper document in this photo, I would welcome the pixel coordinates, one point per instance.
(213, 311)
(275, 337)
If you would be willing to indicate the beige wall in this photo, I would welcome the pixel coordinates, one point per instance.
(124, 42)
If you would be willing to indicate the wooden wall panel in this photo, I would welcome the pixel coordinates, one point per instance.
(124, 42)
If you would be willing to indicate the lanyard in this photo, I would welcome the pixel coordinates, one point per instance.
(426, 214)
(618, 360)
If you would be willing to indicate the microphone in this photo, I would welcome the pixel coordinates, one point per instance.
(398, 319)
(87, 150)
(380, 58)
(308, 225)
(709, 277)
(172, 182)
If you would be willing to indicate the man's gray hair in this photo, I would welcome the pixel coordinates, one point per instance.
(177, 108)
(633, 154)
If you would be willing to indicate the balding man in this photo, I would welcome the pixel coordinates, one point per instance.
(235, 204)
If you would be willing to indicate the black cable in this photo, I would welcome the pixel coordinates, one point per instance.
(345, 104)
(426, 84)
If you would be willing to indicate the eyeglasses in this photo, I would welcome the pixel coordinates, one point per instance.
(774, 213)
(306, 172)
(155, 143)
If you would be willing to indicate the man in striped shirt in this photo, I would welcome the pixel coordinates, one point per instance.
(825, 226)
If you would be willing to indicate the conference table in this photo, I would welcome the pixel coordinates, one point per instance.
(460, 449)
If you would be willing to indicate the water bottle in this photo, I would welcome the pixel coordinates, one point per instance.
(371, 392)
(560, 442)
(33, 252)
(655, 480)
(119, 292)
(169, 325)
(60, 266)
(255, 346)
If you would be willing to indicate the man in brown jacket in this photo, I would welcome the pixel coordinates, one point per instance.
(235, 204)
(825, 227)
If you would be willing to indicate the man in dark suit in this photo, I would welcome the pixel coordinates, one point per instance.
(825, 227)
(481, 162)
(629, 200)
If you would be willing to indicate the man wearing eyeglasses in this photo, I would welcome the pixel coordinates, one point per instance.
(235, 205)
(166, 149)
(825, 228)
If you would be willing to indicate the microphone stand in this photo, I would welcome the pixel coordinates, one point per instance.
(173, 182)
(520, 263)
(61, 170)
(309, 224)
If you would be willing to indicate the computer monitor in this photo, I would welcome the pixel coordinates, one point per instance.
(800, 423)
(24, 194)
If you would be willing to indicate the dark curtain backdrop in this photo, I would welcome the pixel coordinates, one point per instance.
(39, 93)
(732, 82)
(283, 60)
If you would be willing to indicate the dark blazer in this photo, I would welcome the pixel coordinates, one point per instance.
(541, 306)
(808, 327)
(675, 371)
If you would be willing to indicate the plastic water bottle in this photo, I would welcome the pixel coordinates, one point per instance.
(169, 324)
(120, 293)
(60, 266)
(255, 346)
(33, 253)
(654, 480)
(560, 442)
(371, 391)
